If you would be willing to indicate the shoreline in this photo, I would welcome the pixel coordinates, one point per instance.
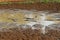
(36, 6)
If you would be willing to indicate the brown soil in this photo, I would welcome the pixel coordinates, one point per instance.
(29, 34)
(12, 0)
(37, 6)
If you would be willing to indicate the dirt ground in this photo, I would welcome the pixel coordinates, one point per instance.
(12, 0)
(37, 6)
(29, 34)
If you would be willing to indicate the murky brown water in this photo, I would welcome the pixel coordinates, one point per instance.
(21, 33)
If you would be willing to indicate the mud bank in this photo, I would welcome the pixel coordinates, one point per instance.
(29, 34)
(37, 6)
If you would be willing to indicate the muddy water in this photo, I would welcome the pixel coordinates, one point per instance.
(45, 27)
(37, 31)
